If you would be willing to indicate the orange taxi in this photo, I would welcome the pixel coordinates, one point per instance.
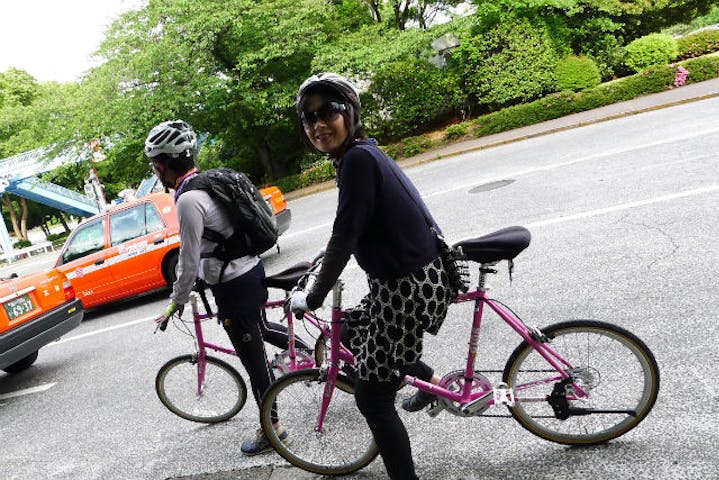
(36, 309)
(133, 247)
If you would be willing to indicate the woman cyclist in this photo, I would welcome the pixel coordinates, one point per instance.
(382, 220)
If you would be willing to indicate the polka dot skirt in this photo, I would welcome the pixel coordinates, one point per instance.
(386, 328)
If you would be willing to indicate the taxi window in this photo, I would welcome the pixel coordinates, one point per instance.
(154, 222)
(127, 225)
(88, 239)
(133, 223)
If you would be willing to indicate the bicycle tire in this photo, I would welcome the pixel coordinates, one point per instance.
(617, 369)
(223, 396)
(345, 444)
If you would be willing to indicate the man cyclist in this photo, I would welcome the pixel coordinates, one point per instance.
(238, 286)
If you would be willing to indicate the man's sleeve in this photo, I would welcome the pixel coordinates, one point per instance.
(191, 214)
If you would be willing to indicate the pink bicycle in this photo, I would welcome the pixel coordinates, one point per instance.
(203, 388)
(578, 382)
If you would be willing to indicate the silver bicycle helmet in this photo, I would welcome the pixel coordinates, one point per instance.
(171, 138)
(336, 82)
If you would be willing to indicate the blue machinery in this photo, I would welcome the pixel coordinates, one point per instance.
(18, 176)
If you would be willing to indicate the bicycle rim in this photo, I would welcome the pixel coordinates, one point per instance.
(615, 367)
(222, 396)
(345, 444)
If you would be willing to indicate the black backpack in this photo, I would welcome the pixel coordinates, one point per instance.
(255, 227)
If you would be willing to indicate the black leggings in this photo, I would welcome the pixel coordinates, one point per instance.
(239, 304)
(375, 401)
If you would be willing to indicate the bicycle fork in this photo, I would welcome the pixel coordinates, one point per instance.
(336, 339)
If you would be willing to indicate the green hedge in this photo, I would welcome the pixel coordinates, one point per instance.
(654, 80)
(699, 43)
(22, 244)
(657, 79)
(651, 50)
(577, 73)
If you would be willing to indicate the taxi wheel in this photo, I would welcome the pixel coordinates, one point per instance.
(169, 268)
(22, 364)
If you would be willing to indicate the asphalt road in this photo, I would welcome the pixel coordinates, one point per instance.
(624, 216)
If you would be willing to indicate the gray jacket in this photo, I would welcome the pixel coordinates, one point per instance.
(197, 211)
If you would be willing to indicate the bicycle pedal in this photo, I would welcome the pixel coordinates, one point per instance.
(503, 395)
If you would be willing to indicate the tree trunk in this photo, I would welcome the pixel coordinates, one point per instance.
(263, 152)
(13, 215)
(23, 219)
(64, 222)
(401, 14)
(374, 6)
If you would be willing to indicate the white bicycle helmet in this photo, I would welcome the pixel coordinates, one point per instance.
(337, 82)
(171, 138)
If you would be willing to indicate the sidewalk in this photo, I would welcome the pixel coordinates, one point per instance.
(677, 96)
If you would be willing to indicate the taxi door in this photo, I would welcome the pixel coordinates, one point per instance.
(84, 261)
(137, 235)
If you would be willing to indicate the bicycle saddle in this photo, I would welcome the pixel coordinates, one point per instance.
(504, 244)
(287, 279)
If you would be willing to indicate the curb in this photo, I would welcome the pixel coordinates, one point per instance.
(428, 157)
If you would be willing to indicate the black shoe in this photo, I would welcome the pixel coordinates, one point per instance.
(418, 401)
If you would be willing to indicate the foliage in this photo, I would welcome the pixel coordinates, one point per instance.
(556, 105)
(320, 172)
(229, 68)
(650, 50)
(22, 244)
(590, 20)
(608, 54)
(399, 14)
(514, 61)
(457, 130)
(577, 73)
(54, 237)
(699, 43)
(406, 96)
(17, 87)
(710, 18)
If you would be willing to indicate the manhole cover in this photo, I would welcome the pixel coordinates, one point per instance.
(485, 187)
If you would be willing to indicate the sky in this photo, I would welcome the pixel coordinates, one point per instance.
(54, 39)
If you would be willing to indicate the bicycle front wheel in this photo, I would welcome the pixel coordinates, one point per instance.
(222, 394)
(345, 443)
(616, 369)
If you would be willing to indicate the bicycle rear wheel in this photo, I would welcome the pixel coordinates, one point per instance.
(345, 444)
(615, 368)
(223, 394)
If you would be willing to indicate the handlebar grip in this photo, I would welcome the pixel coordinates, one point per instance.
(163, 325)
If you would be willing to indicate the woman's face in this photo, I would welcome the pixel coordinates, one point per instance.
(324, 123)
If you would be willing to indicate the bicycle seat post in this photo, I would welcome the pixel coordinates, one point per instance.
(484, 269)
(337, 294)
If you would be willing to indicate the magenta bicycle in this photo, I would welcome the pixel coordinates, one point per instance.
(203, 388)
(578, 382)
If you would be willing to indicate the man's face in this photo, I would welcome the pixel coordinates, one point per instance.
(163, 174)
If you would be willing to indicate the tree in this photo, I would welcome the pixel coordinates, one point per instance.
(402, 12)
(231, 69)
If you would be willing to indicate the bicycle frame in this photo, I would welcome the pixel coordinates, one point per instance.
(203, 345)
(466, 397)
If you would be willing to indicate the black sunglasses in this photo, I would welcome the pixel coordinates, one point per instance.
(327, 113)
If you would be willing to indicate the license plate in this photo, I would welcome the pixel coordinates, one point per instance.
(19, 306)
